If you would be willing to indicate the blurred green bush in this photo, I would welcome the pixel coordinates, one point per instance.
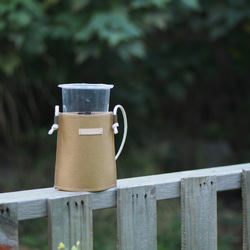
(180, 68)
(184, 63)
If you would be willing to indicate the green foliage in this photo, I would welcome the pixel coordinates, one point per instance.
(182, 63)
(172, 61)
(180, 69)
(33, 233)
(157, 51)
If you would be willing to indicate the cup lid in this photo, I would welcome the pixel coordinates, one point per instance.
(85, 86)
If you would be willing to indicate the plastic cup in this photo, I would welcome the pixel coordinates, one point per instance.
(85, 97)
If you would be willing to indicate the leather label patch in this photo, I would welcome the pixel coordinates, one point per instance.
(90, 131)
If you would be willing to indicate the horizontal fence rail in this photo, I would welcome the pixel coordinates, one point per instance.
(33, 203)
(70, 213)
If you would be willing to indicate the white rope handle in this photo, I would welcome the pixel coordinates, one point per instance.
(115, 126)
(55, 125)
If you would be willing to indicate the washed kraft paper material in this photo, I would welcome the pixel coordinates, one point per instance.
(85, 157)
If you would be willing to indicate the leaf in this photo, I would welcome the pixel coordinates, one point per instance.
(113, 27)
(234, 16)
(17, 38)
(218, 32)
(6, 7)
(86, 51)
(78, 5)
(159, 20)
(138, 4)
(192, 4)
(2, 25)
(9, 62)
(20, 19)
(62, 26)
(133, 49)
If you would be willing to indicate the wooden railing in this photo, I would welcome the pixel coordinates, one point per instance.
(70, 213)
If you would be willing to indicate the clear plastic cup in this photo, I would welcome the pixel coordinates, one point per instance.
(85, 97)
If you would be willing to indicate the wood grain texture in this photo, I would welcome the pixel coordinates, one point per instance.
(8, 227)
(199, 213)
(70, 221)
(70, 213)
(33, 203)
(136, 218)
(246, 208)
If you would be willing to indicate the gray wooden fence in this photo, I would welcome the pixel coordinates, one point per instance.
(70, 213)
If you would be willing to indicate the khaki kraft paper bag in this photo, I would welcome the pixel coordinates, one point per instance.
(85, 157)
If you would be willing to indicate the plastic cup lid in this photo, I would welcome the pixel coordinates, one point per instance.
(85, 86)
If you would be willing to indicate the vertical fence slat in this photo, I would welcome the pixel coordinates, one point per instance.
(246, 208)
(136, 218)
(70, 221)
(199, 213)
(8, 226)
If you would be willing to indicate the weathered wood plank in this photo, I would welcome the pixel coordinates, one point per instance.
(136, 218)
(70, 221)
(199, 213)
(8, 227)
(246, 208)
(33, 203)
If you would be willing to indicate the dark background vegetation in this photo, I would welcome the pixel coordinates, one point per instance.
(180, 69)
